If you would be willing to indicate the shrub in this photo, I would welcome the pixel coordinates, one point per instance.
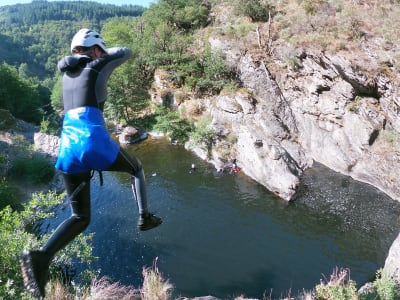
(51, 125)
(311, 6)
(168, 122)
(204, 135)
(339, 287)
(155, 287)
(15, 238)
(257, 10)
(385, 286)
(34, 168)
(7, 194)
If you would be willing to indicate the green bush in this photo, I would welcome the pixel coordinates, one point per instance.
(34, 168)
(257, 10)
(168, 122)
(339, 287)
(385, 286)
(204, 135)
(15, 238)
(50, 125)
(7, 194)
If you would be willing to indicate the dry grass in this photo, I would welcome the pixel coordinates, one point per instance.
(103, 289)
(155, 287)
(57, 291)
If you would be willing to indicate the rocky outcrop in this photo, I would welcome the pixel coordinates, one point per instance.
(392, 263)
(344, 119)
(46, 144)
(323, 108)
(131, 135)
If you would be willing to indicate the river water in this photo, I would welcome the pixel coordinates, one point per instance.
(225, 235)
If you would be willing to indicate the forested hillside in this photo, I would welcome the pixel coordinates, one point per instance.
(34, 37)
(39, 32)
(160, 37)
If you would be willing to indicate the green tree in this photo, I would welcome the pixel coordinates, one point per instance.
(168, 122)
(19, 96)
(57, 95)
(185, 15)
(8, 194)
(257, 10)
(129, 84)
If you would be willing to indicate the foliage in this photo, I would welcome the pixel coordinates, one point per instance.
(57, 95)
(203, 73)
(51, 124)
(32, 167)
(155, 287)
(311, 6)
(8, 194)
(385, 286)
(23, 25)
(257, 10)
(204, 135)
(18, 95)
(15, 238)
(185, 15)
(339, 287)
(160, 38)
(168, 122)
(128, 95)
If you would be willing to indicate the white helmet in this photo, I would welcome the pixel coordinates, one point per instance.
(88, 38)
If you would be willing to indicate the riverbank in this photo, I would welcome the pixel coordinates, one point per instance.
(295, 216)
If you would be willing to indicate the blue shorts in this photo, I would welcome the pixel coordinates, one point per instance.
(85, 142)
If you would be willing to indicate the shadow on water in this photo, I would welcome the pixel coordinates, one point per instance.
(225, 235)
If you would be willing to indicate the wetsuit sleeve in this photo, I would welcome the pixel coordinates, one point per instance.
(114, 58)
(69, 63)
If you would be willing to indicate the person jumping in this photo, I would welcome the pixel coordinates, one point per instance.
(85, 146)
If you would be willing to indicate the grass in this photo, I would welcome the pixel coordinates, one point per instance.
(154, 287)
(339, 286)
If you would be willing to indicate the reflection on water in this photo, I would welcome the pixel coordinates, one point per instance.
(228, 236)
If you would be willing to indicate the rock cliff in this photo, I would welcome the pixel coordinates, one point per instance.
(341, 110)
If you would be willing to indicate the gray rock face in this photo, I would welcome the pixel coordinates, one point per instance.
(324, 108)
(340, 111)
(392, 263)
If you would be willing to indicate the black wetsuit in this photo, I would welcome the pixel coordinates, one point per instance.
(85, 142)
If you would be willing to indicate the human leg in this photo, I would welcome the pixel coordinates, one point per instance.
(35, 263)
(80, 215)
(130, 164)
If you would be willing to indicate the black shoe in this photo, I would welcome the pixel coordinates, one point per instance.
(35, 269)
(148, 221)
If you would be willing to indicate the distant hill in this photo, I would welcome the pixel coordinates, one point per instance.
(37, 32)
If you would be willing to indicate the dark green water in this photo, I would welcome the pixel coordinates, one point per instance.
(227, 236)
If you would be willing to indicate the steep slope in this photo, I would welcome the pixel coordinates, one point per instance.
(297, 105)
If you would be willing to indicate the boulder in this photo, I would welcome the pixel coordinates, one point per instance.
(392, 263)
(131, 135)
